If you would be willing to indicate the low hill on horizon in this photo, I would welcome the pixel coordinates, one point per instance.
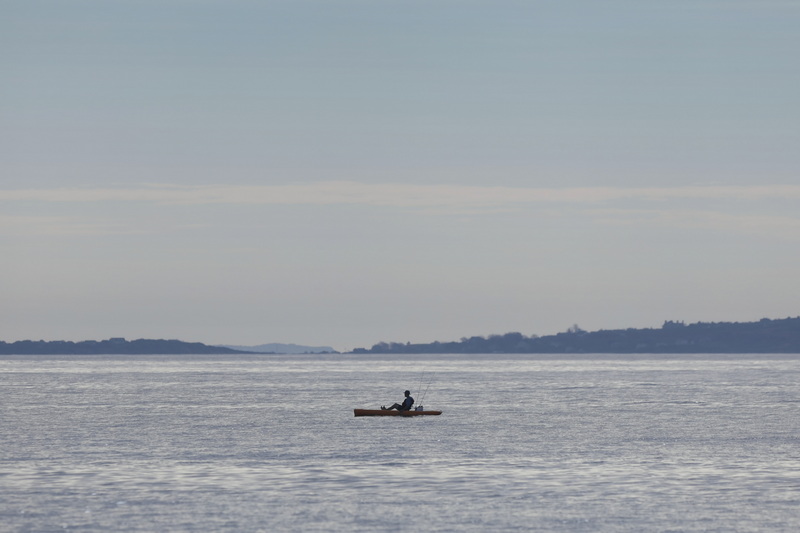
(113, 346)
(278, 348)
(764, 336)
(121, 346)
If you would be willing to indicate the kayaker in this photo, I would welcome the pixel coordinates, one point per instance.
(405, 406)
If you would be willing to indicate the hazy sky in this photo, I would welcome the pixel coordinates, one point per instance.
(349, 172)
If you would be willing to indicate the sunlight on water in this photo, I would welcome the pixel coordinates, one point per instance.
(270, 444)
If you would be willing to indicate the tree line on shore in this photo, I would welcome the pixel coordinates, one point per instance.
(763, 336)
(113, 346)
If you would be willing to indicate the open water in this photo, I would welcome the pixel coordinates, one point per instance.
(269, 443)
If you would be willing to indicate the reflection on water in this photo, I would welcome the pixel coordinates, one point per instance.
(270, 443)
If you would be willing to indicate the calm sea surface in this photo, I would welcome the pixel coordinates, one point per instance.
(269, 443)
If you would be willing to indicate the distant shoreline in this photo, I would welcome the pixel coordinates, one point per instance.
(761, 337)
(766, 336)
(121, 346)
(113, 346)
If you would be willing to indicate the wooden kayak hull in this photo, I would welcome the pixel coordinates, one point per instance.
(387, 412)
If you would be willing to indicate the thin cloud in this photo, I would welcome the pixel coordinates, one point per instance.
(739, 209)
(393, 195)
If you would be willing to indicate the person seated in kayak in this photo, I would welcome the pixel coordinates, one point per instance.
(405, 406)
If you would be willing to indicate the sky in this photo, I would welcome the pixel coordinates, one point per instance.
(345, 172)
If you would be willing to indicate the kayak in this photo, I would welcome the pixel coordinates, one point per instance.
(392, 412)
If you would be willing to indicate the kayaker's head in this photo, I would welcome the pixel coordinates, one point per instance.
(407, 393)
